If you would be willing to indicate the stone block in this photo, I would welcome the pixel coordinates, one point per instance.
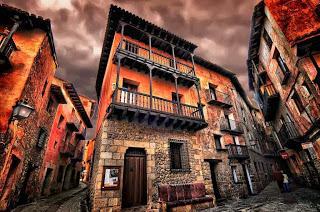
(105, 155)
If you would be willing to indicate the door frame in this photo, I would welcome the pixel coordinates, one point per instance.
(145, 190)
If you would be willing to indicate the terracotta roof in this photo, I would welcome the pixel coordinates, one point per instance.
(29, 21)
(296, 18)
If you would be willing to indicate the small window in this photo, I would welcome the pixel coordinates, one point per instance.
(305, 90)
(212, 91)
(179, 160)
(297, 101)
(234, 174)
(61, 119)
(55, 144)
(267, 38)
(44, 87)
(60, 174)
(50, 105)
(42, 138)
(217, 140)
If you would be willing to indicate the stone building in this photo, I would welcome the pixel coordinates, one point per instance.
(62, 163)
(27, 67)
(283, 67)
(169, 132)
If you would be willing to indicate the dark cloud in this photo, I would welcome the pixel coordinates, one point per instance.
(219, 27)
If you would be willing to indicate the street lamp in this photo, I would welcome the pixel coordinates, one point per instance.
(21, 110)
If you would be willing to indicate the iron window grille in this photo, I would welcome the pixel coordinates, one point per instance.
(42, 137)
(179, 156)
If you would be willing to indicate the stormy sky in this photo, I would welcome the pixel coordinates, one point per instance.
(220, 28)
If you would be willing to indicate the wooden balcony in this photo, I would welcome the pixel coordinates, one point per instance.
(270, 101)
(231, 126)
(138, 57)
(6, 49)
(218, 98)
(288, 134)
(156, 111)
(239, 152)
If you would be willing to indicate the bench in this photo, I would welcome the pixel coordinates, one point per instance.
(171, 196)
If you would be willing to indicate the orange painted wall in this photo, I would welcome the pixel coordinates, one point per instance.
(12, 83)
(160, 88)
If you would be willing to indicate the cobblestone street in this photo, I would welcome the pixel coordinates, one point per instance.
(68, 201)
(271, 199)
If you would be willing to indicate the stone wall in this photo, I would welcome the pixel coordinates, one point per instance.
(116, 137)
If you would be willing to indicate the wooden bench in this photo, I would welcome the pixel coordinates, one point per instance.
(177, 195)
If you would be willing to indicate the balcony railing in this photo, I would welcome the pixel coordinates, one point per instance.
(5, 50)
(154, 57)
(287, 133)
(232, 126)
(143, 101)
(237, 151)
(216, 97)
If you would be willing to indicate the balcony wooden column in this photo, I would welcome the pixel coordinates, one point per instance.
(118, 77)
(193, 66)
(177, 94)
(150, 83)
(197, 84)
(122, 31)
(9, 37)
(174, 57)
(150, 46)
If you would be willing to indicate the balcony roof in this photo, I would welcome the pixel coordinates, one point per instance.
(77, 103)
(29, 21)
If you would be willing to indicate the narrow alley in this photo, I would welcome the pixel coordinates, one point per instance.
(69, 201)
(271, 199)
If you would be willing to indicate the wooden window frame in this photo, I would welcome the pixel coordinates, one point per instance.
(117, 187)
(215, 137)
(184, 156)
(267, 39)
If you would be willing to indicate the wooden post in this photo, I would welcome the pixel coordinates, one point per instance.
(199, 99)
(177, 94)
(150, 84)
(193, 66)
(117, 79)
(122, 34)
(150, 47)
(174, 57)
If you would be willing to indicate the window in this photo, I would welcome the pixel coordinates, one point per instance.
(44, 87)
(61, 119)
(217, 140)
(128, 93)
(234, 174)
(297, 101)
(42, 136)
(212, 90)
(179, 159)
(60, 174)
(267, 38)
(305, 90)
(50, 105)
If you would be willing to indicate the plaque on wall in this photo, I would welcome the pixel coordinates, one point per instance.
(110, 178)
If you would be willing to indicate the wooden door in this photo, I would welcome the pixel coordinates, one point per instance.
(214, 180)
(134, 178)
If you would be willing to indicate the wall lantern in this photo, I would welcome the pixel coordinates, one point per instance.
(21, 110)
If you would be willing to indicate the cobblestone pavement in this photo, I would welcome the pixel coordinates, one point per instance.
(69, 201)
(271, 199)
